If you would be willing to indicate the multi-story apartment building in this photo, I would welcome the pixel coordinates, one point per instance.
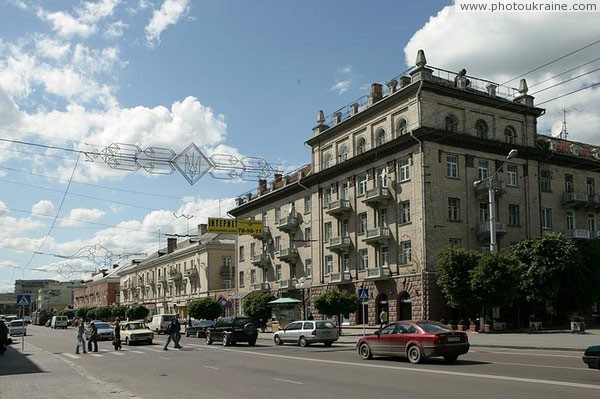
(46, 294)
(403, 172)
(167, 280)
(102, 289)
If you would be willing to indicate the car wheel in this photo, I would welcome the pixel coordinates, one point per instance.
(365, 351)
(450, 358)
(252, 342)
(414, 354)
(302, 342)
(209, 340)
(327, 343)
(249, 329)
(277, 340)
(226, 340)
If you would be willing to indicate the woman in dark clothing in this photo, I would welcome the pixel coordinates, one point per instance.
(117, 340)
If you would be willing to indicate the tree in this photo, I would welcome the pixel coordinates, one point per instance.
(82, 312)
(336, 302)
(454, 279)
(205, 308)
(103, 313)
(137, 312)
(118, 311)
(256, 305)
(495, 279)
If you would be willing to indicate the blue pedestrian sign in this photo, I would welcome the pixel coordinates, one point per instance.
(363, 295)
(24, 300)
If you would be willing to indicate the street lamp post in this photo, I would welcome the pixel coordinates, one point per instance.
(301, 285)
(492, 211)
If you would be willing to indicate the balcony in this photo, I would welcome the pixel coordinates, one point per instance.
(573, 199)
(339, 278)
(377, 196)
(260, 260)
(378, 273)
(286, 285)
(288, 224)
(190, 273)
(162, 280)
(175, 274)
(339, 207)
(265, 234)
(260, 287)
(579, 234)
(150, 281)
(483, 230)
(482, 189)
(594, 201)
(288, 254)
(377, 235)
(339, 244)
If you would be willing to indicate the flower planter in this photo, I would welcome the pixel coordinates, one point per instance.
(577, 327)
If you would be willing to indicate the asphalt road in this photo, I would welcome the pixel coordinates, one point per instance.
(269, 371)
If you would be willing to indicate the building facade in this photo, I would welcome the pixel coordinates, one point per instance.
(400, 174)
(46, 295)
(102, 289)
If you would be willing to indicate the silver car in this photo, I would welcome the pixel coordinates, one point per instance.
(306, 332)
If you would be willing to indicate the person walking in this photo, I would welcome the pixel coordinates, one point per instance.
(117, 340)
(93, 337)
(80, 337)
(3, 337)
(174, 331)
(383, 318)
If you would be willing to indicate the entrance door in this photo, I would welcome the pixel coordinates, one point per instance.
(404, 306)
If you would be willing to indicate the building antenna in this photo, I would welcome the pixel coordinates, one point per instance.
(563, 133)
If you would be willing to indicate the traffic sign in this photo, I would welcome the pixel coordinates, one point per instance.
(363, 295)
(23, 300)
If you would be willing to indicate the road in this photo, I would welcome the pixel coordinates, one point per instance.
(269, 371)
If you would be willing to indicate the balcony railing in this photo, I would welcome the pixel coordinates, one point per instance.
(575, 199)
(288, 254)
(338, 207)
(260, 260)
(190, 273)
(594, 201)
(175, 274)
(377, 196)
(261, 287)
(379, 273)
(339, 244)
(581, 234)
(288, 223)
(483, 229)
(286, 285)
(150, 280)
(227, 272)
(377, 235)
(162, 280)
(340, 278)
(482, 189)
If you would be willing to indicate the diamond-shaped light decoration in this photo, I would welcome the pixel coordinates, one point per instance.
(192, 163)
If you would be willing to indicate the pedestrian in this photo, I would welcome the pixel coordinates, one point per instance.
(80, 337)
(3, 337)
(117, 339)
(383, 318)
(93, 337)
(174, 334)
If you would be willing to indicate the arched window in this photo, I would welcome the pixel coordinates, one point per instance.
(327, 161)
(401, 127)
(451, 123)
(343, 153)
(361, 145)
(510, 136)
(482, 129)
(380, 137)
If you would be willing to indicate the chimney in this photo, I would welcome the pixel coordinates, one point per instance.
(392, 85)
(337, 117)
(278, 177)
(171, 244)
(523, 97)
(262, 185)
(354, 109)
(202, 228)
(115, 266)
(491, 90)
(376, 92)
(321, 126)
(421, 72)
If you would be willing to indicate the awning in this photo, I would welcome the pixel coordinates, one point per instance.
(239, 295)
(285, 301)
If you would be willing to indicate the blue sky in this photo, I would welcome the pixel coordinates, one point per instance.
(237, 78)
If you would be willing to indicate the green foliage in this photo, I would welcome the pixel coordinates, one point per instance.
(336, 302)
(205, 308)
(118, 311)
(453, 271)
(103, 313)
(91, 314)
(495, 279)
(70, 313)
(82, 312)
(256, 305)
(137, 312)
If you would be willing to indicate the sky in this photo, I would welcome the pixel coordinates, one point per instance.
(241, 82)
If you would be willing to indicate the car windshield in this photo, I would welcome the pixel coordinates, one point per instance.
(325, 324)
(202, 323)
(432, 326)
(102, 326)
(241, 322)
(136, 326)
(16, 323)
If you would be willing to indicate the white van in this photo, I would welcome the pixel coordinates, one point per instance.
(160, 323)
(59, 322)
(17, 327)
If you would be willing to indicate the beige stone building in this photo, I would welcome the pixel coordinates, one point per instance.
(166, 281)
(403, 172)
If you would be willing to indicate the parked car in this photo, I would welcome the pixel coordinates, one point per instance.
(105, 331)
(17, 327)
(591, 357)
(59, 322)
(198, 328)
(306, 332)
(231, 330)
(136, 332)
(415, 340)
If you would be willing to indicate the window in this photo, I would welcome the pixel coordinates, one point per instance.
(482, 129)
(361, 145)
(277, 247)
(345, 228)
(328, 264)
(510, 136)
(362, 223)
(382, 217)
(454, 242)
(252, 276)
(451, 123)
(326, 196)
(278, 272)
(401, 127)
(362, 184)
(404, 169)
(277, 215)
(240, 255)
(343, 153)
(484, 212)
(364, 259)
(405, 212)
(452, 166)
(405, 252)
(307, 234)
(344, 191)
(570, 220)
(308, 266)
(384, 256)
(252, 249)
(592, 223)
(241, 279)
(546, 218)
(590, 186)
(513, 215)
(545, 180)
(382, 177)
(307, 205)
(328, 231)
(327, 161)
(569, 186)
(345, 262)
(482, 170)
(454, 209)
(380, 137)
(512, 171)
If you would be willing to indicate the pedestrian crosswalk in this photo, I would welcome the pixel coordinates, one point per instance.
(139, 350)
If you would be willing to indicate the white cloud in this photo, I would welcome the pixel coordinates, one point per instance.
(43, 208)
(502, 46)
(115, 30)
(68, 26)
(169, 14)
(9, 112)
(344, 80)
(51, 48)
(78, 217)
(342, 86)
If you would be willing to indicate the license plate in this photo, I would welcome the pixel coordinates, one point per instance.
(453, 339)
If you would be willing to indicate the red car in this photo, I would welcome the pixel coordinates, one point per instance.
(415, 340)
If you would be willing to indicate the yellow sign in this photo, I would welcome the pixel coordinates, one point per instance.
(235, 226)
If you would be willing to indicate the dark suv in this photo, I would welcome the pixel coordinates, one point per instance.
(230, 330)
